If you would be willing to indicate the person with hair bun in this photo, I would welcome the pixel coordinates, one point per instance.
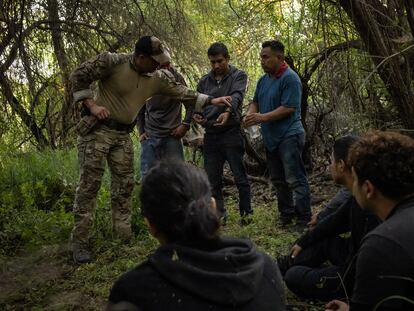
(194, 268)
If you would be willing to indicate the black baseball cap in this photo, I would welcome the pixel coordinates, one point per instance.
(152, 46)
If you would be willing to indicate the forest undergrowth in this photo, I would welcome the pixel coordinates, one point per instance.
(36, 196)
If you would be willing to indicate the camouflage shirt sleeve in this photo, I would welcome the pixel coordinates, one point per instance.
(92, 70)
(170, 87)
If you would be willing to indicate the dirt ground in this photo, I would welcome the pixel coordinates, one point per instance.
(30, 277)
(43, 279)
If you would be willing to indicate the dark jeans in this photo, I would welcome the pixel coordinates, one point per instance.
(154, 149)
(288, 176)
(311, 278)
(218, 148)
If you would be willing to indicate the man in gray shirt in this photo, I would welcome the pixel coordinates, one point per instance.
(223, 139)
(160, 127)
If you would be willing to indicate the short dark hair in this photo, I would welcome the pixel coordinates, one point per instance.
(176, 199)
(274, 45)
(386, 159)
(218, 48)
(143, 46)
(342, 146)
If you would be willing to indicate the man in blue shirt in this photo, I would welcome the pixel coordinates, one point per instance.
(276, 107)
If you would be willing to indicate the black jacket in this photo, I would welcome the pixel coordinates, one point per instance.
(335, 203)
(228, 274)
(385, 264)
(348, 218)
(233, 84)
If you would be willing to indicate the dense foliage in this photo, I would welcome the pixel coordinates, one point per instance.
(357, 71)
(354, 57)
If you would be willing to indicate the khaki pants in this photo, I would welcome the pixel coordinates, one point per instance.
(93, 149)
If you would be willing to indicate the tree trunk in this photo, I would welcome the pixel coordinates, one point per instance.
(18, 108)
(409, 6)
(379, 32)
(63, 62)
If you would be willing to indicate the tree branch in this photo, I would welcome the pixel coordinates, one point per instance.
(320, 57)
(409, 6)
(27, 119)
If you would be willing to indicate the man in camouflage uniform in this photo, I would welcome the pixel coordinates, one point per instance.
(125, 82)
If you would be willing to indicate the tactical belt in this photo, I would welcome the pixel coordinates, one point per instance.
(115, 125)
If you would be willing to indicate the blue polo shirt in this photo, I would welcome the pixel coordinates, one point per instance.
(271, 93)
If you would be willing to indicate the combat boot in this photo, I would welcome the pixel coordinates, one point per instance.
(81, 254)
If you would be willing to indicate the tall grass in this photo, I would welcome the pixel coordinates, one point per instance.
(37, 190)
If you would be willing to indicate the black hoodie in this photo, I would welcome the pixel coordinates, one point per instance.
(227, 274)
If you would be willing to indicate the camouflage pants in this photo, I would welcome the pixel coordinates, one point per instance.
(93, 149)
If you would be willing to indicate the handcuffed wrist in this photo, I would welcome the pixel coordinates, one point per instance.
(201, 102)
(187, 124)
(208, 101)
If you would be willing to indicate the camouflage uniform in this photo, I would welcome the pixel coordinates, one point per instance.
(93, 149)
(123, 91)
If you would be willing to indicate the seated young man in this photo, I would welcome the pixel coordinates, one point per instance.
(305, 270)
(331, 207)
(383, 170)
(194, 268)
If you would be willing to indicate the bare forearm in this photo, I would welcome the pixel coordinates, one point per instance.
(98, 111)
(279, 113)
(253, 117)
(89, 103)
(253, 108)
